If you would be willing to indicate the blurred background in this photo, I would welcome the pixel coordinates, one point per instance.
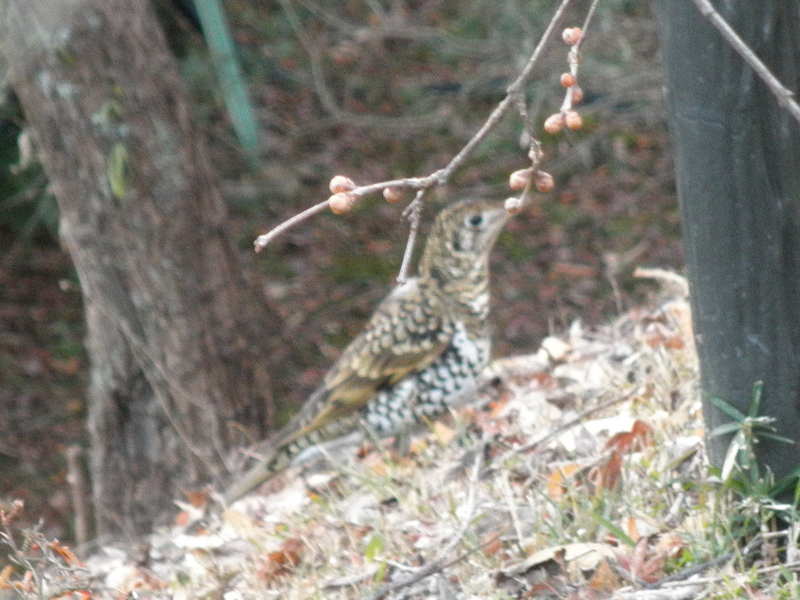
(373, 90)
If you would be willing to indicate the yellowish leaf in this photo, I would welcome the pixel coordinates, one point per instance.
(444, 434)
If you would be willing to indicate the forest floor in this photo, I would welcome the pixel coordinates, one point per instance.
(569, 257)
(578, 472)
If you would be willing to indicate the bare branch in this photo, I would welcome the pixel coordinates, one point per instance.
(411, 183)
(265, 239)
(408, 183)
(513, 91)
(327, 99)
(588, 19)
(413, 212)
(389, 29)
(566, 426)
(784, 96)
(571, 97)
(513, 96)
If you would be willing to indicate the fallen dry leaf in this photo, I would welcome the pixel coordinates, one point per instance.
(556, 483)
(607, 475)
(643, 564)
(65, 553)
(444, 434)
(5, 575)
(281, 562)
(604, 578)
(573, 563)
(639, 437)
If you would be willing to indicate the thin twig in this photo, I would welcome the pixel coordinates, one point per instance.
(428, 570)
(669, 583)
(440, 562)
(574, 59)
(78, 490)
(448, 42)
(362, 190)
(669, 280)
(522, 109)
(682, 577)
(440, 177)
(588, 20)
(512, 506)
(516, 88)
(553, 433)
(792, 553)
(327, 99)
(411, 183)
(265, 239)
(413, 213)
(784, 96)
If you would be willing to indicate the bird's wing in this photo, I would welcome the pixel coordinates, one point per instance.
(405, 334)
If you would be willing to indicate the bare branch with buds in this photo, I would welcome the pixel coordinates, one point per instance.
(567, 115)
(345, 193)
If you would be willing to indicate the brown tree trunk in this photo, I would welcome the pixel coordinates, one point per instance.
(177, 333)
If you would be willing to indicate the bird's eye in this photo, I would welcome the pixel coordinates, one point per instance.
(476, 220)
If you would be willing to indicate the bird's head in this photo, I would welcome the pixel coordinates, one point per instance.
(460, 240)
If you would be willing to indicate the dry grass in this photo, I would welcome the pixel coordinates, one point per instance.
(579, 473)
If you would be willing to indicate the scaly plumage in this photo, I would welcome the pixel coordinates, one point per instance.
(424, 346)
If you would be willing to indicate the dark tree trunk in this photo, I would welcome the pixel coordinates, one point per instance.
(737, 157)
(177, 332)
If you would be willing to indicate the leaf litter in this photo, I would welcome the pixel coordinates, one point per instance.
(577, 472)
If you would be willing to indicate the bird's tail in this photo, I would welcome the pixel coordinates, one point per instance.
(270, 465)
(294, 439)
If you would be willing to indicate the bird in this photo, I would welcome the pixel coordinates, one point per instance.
(420, 352)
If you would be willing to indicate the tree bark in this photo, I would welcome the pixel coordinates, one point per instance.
(737, 159)
(177, 331)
